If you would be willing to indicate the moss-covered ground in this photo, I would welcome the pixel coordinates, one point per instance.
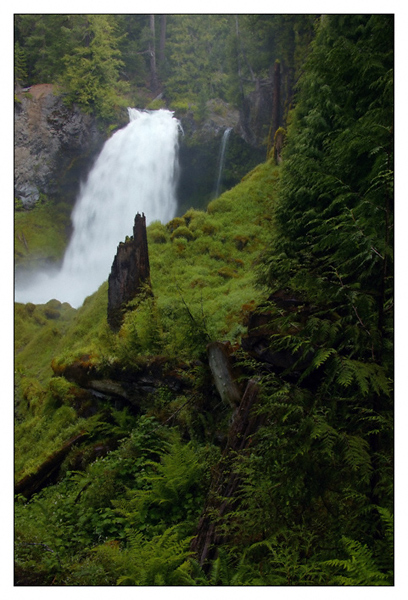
(40, 234)
(203, 278)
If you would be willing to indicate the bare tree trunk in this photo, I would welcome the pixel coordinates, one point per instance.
(238, 56)
(242, 50)
(163, 22)
(275, 138)
(152, 52)
(276, 97)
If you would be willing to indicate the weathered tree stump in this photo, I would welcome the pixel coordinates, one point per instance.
(130, 273)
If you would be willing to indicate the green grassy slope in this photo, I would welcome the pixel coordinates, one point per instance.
(202, 272)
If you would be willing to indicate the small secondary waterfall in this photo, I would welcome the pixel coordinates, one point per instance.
(136, 171)
(221, 160)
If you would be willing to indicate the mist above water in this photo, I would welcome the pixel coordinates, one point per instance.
(136, 171)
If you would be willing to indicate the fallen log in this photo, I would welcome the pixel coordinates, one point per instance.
(34, 482)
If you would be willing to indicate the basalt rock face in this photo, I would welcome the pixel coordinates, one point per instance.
(199, 154)
(129, 274)
(55, 146)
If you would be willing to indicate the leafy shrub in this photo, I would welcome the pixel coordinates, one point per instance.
(180, 106)
(174, 224)
(156, 104)
(183, 232)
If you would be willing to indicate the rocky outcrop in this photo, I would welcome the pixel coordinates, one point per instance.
(54, 146)
(130, 273)
(219, 115)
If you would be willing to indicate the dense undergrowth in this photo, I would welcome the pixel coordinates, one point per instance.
(313, 496)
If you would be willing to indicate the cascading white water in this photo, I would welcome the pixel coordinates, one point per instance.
(221, 160)
(136, 171)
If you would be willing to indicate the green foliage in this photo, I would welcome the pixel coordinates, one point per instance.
(92, 71)
(72, 532)
(160, 561)
(171, 493)
(199, 57)
(314, 493)
(192, 304)
(39, 326)
(20, 64)
(339, 151)
(45, 40)
(322, 462)
(361, 567)
(195, 48)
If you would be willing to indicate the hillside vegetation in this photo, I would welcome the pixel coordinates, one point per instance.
(131, 466)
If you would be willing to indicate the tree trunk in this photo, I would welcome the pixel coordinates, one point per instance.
(241, 87)
(152, 52)
(222, 495)
(276, 98)
(224, 378)
(163, 21)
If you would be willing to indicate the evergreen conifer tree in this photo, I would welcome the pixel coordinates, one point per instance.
(92, 69)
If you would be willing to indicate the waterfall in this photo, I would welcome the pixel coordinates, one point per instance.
(136, 171)
(221, 160)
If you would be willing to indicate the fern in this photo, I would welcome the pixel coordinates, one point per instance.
(170, 491)
(325, 433)
(360, 568)
(159, 561)
(357, 456)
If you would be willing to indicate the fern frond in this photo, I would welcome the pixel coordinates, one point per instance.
(388, 520)
(321, 356)
(360, 568)
(357, 455)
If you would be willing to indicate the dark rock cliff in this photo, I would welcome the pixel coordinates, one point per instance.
(200, 149)
(54, 146)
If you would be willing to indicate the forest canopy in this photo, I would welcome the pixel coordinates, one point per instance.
(102, 61)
